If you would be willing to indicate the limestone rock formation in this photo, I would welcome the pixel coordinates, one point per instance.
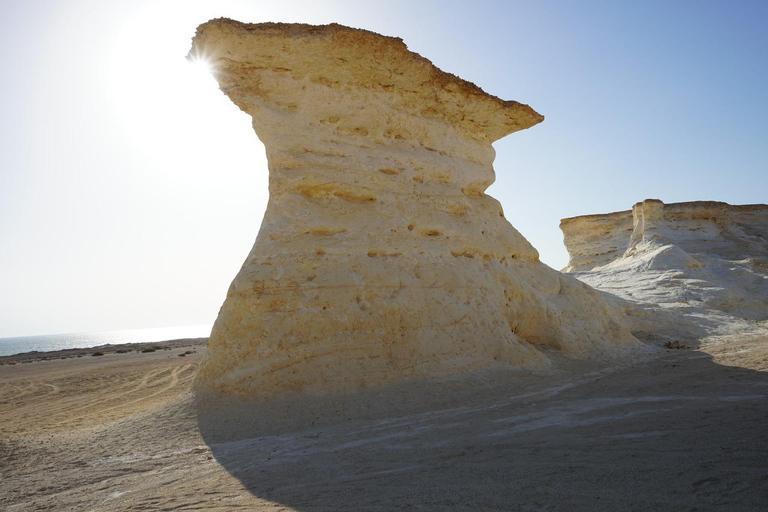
(701, 254)
(380, 257)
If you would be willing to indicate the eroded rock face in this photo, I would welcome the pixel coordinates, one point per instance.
(596, 240)
(380, 257)
(702, 254)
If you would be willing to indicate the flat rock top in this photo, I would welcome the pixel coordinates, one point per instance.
(350, 58)
(689, 205)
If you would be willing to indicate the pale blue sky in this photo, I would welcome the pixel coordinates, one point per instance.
(131, 190)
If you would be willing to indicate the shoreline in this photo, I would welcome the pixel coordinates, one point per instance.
(35, 356)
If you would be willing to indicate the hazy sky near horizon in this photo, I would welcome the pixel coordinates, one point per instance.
(131, 189)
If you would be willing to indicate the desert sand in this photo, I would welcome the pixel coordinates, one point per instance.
(671, 430)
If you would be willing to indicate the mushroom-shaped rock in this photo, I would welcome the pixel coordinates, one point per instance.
(380, 257)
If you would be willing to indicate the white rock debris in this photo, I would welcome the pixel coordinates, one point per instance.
(707, 261)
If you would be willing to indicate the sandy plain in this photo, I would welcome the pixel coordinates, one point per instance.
(669, 430)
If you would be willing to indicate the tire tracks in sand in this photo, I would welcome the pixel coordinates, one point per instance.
(73, 400)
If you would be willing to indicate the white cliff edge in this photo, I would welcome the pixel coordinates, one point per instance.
(694, 257)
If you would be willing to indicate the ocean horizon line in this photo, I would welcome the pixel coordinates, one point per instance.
(13, 345)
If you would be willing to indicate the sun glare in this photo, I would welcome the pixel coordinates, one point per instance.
(201, 65)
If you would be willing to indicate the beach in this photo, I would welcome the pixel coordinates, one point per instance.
(669, 430)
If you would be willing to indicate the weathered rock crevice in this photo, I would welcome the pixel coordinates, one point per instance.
(380, 257)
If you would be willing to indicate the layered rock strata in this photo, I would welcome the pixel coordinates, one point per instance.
(698, 254)
(380, 257)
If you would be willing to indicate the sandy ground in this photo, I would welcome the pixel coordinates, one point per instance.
(59, 391)
(672, 430)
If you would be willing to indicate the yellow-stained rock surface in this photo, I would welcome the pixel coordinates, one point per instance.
(380, 257)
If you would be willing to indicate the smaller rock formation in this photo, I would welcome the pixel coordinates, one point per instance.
(701, 254)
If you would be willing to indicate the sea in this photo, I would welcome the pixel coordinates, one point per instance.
(51, 342)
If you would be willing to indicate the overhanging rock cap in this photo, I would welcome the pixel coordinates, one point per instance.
(349, 58)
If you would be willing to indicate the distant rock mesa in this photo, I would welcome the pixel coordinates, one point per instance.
(380, 257)
(703, 254)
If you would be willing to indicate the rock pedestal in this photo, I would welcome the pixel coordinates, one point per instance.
(380, 257)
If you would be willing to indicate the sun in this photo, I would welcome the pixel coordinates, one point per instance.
(201, 65)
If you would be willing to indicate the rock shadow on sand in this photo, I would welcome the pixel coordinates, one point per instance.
(674, 432)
